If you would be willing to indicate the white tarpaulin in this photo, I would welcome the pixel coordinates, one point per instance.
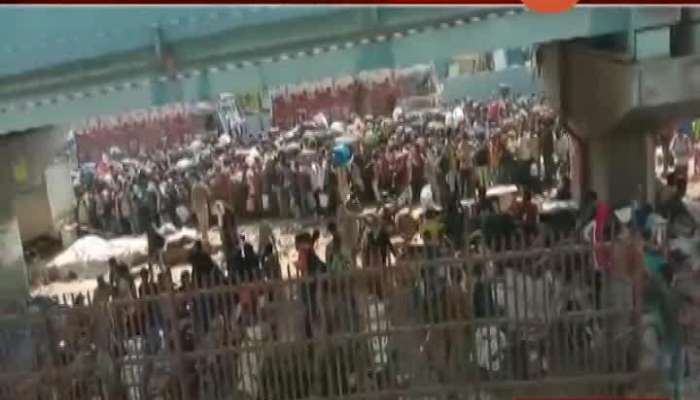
(551, 206)
(88, 256)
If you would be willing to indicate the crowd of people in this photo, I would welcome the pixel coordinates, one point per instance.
(457, 153)
(325, 173)
(328, 174)
(473, 145)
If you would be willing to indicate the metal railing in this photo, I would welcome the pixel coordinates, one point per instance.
(527, 320)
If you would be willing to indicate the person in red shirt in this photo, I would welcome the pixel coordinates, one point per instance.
(526, 213)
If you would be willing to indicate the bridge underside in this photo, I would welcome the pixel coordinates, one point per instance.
(260, 57)
(616, 103)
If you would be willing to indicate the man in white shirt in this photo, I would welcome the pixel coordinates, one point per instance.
(528, 153)
(533, 144)
(562, 147)
(318, 181)
(529, 148)
(458, 115)
(449, 120)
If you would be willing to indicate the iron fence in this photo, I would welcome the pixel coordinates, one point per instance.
(525, 320)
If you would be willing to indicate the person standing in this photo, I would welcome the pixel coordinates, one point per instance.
(495, 155)
(481, 160)
(432, 167)
(533, 143)
(121, 281)
(526, 213)
(169, 203)
(298, 193)
(309, 265)
(153, 202)
(136, 197)
(452, 180)
(681, 149)
(228, 229)
(377, 247)
(156, 245)
(318, 183)
(417, 166)
(151, 319)
(86, 206)
(562, 148)
(100, 211)
(200, 206)
(466, 167)
(380, 176)
(122, 206)
(547, 147)
(102, 293)
(205, 274)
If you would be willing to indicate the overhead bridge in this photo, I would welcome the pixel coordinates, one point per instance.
(95, 61)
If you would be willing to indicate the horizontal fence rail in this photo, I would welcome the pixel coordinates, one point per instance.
(479, 324)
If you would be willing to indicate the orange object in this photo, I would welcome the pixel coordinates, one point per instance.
(550, 6)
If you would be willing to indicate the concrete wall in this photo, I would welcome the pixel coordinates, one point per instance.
(33, 213)
(37, 149)
(599, 92)
(622, 167)
(60, 193)
(671, 84)
(14, 283)
(484, 85)
(550, 67)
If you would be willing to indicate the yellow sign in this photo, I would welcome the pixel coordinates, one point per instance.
(250, 102)
(20, 171)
